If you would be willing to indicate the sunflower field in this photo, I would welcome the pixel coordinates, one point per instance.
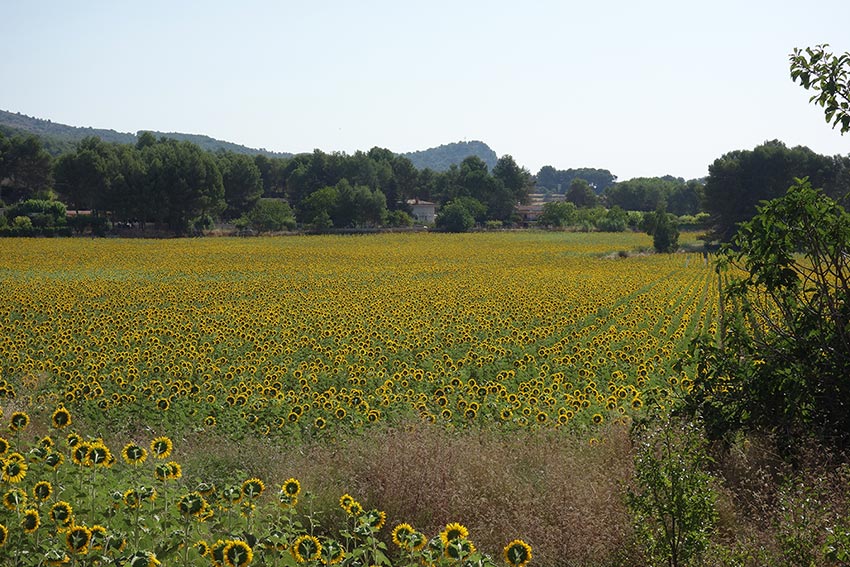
(308, 340)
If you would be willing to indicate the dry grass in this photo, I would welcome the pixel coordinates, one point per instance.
(557, 491)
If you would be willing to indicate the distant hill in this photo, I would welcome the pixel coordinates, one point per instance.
(60, 138)
(443, 157)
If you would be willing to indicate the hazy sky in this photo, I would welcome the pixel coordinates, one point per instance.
(641, 88)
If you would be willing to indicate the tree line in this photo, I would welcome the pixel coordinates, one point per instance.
(179, 187)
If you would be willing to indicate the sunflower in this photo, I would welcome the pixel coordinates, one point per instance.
(192, 504)
(345, 501)
(319, 423)
(14, 470)
(163, 404)
(253, 487)
(53, 460)
(19, 421)
(202, 547)
(216, 552)
(80, 454)
(98, 537)
(30, 521)
(162, 472)
(597, 418)
(452, 532)
(306, 548)
(517, 553)
(4, 535)
(332, 552)
(61, 418)
(134, 454)
(291, 487)
(100, 455)
(4, 446)
(176, 470)
(374, 519)
(161, 447)
(14, 499)
(62, 514)
(46, 442)
(73, 439)
(131, 498)
(458, 549)
(42, 490)
(209, 421)
(417, 541)
(78, 539)
(355, 509)
(237, 553)
(401, 533)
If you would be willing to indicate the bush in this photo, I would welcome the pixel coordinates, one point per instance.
(454, 217)
(269, 215)
(783, 356)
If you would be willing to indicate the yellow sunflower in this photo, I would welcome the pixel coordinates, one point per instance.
(306, 548)
(517, 553)
(61, 418)
(452, 532)
(161, 447)
(237, 553)
(78, 539)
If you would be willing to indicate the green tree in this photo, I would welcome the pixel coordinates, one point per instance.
(673, 501)
(83, 177)
(663, 229)
(269, 215)
(183, 185)
(739, 180)
(783, 356)
(243, 183)
(829, 75)
(557, 214)
(581, 194)
(454, 217)
(25, 169)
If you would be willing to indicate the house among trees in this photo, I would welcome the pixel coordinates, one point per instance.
(422, 211)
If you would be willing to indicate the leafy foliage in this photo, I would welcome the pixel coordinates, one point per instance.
(829, 75)
(673, 502)
(783, 357)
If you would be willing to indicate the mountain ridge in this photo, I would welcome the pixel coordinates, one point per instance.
(59, 138)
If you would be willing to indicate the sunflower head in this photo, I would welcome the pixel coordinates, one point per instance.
(459, 549)
(401, 534)
(42, 490)
(517, 553)
(306, 548)
(14, 470)
(253, 487)
(4, 535)
(98, 537)
(133, 454)
(291, 487)
(78, 539)
(53, 460)
(161, 447)
(19, 421)
(452, 532)
(62, 514)
(237, 553)
(14, 499)
(30, 521)
(4, 446)
(192, 504)
(345, 502)
(61, 418)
